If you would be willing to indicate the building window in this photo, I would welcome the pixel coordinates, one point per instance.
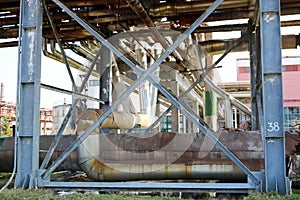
(291, 116)
(290, 68)
(244, 69)
(94, 83)
(166, 124)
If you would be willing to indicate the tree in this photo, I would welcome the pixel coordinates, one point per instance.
(5, 125)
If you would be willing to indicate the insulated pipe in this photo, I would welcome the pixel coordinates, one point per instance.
(116, 120)
(144, 92)
(111, 157)
(168, 156)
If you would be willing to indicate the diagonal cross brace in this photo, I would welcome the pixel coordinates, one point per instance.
(155, 80)
(68, 115)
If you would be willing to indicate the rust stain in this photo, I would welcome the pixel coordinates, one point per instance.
(97, 166)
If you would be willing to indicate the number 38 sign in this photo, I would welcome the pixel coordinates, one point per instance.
(273, 126)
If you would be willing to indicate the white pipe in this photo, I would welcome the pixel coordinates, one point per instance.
(225, 95)
(116, 120)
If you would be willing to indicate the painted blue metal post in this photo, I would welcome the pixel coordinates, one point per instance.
(28, 103)
(273, 133)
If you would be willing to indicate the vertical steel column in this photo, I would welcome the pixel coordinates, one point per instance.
(105, 71)
(253, 67)
(273, 133)
(28, 104)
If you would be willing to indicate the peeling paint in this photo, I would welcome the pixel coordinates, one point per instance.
(268, 17)
(31, 53)
(29, 2)
(105, 91)
(271, 79)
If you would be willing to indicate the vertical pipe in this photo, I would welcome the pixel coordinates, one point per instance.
(144, 87)
(29, 90)
(175, 112)
(228, 113)
(195, 107)
(210, 109)
(273, 132)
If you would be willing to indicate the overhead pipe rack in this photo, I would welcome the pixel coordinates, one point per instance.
(267, 64)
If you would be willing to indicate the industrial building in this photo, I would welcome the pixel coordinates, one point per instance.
(146, 113)
(291, 77)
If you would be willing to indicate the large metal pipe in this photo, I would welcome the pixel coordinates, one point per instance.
(165, 156)
(140, 156)
(7, 152)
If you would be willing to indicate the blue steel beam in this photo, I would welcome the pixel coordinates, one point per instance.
(28, 103)
(153, 78)
(273, 130)
(156, 187)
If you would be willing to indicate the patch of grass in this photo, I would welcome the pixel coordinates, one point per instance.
(272, 196)
(46, 194)
(12, 194)
(4, 177)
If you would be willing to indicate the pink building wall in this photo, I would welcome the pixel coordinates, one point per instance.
(290, 78)
(291, 88)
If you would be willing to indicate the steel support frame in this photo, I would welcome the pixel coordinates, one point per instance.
(43, 176)
(272, 97)
(28, 101)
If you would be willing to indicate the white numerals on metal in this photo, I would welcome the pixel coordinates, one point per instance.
(273, 126)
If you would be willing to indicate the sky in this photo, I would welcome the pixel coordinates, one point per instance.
(53, 73)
